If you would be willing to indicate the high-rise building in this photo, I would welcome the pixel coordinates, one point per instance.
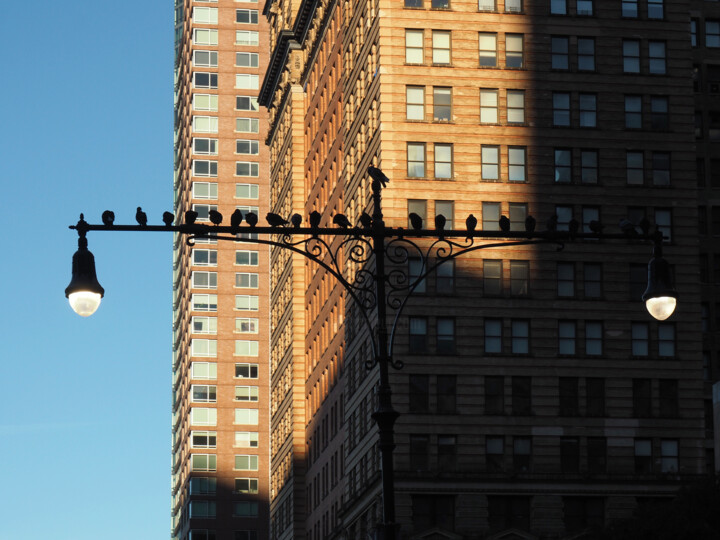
(537, 394)
(221, 376)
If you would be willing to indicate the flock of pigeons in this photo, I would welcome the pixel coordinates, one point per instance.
(416, 222)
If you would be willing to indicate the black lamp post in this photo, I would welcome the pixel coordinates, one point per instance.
(374, 290)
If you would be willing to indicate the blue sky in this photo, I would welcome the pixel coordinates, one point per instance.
(86, 126)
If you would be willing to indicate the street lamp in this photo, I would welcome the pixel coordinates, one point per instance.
(374, 290)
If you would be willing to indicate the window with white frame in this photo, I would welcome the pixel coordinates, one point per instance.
(247, 37)
(441, 47)
(514, 51)
(246, 16)
(656, 56)
(246, 325)
(202, 416)
(247, 280)
(247, 168)
(203, 347)
(205, 124)
(516, 106)
(204, 190)
(203, 439)
(246, 439)
(247, 81)
(488, 49)
(246, 348)
(414, 47)
(204, 280)
(516, 164)
(203, 462)
(203, 509)
(203, 393)
(203, 485)
(247, 146)
(246, 393)
(205, 15)
(205, 146)
(202, 167)
(247, 125)
(246, 103)
(205, 58)
(246, 485)
(247, 191)
(443, 160)
(415, 102)
(246, 371)
(246, 302)
(247, 257)
(488, 106)
(203, 370)
(205, 102)
(203, 211)
(204, 257)
(205, 36)
(490, 163)
(204, 302)
(204, 325)
(586, 54)
(246, 416)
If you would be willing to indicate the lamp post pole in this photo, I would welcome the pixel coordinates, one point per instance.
(373, 290)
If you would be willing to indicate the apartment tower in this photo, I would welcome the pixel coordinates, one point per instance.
(538, 399)
(220, 468)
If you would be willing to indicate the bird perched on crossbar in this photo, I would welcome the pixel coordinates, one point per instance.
(296, 220)
(190, 217)
(504, 223)
(440, 222)
(341, 220)
(315, 218)
(530, 224)
(108, 217)
(275, 220)
(141, 217)
(365, 220)
(215, 217)
(416, 222)
(251, 218)
(236, 218)
(168, 218)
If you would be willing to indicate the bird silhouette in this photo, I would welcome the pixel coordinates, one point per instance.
(190, 217)
(416, 222)
(596, 227)
(168, 218)
(251, 218)
(573, 228)
(645, 226)
(627, 228)
(341, 220)
(552, 223)
(141, 217)
(108, 217)
(470, 223)
(365, 220)
(296, 220)
(315, 218)
(275, 220)
(504, 223)
(440, 222)
(236, 218)
(530, 224)
(378, 176)
(215, 217)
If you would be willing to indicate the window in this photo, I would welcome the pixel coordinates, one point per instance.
(494, 394)
(493, 336)
(205, 15)
(443, 160)
(668, 456)
(630, 8)
(592, 280)
(205, 146)
(246, 485)
(565, 279)
(446, 394)
(590, 214)
(205, 80)
(643, 456)
(564, 215)
(205, 124)
(640, 339)
(246, 416)
(585, 7)
(589, 166)
(246, 59)
(522, 396)
(247, 168)
(490, 216)
(247, 125)
(246, 325)
(440, 47)
(520, 336)
(518, 214)
(419, 395)
(246, 146)
(445, 278)
(666, 339)
(566, 337)
(712, 34)
(415, 269)
(204, 280)
(418, 335)
(204, 168)
(642, 398)
(248, 303)
(205, 58)
(569, 455)
(656, 54)
(561, 109)
(447, 209)
(516, 164)
(430, 511)
(246, 463)
(413, 3)
(204, 257)
(563, 165)
(246, 16)
(419, 207)
(586, 54)
(204, 325)
(200, 416)
(633, 112)
(246, 393)
(442, 104)
(668, 392)
(693, 32)
(486, 5)
(246, 439)
(655, 9)
(447, 453)
(445, 335)
(663, 222)
(205, 36)
(494, 450)
(247, 191)
(203, 439)
(415, 102)
(246, 81)
(588, 110)
(515, 107)
(519, 278)
(558, 7)
(246, 348)
(245, 509)
(568, 391)
(595, 396)
(513, 6)
(203, 462)
(514, 51)
(488, 106)
(560, 48)
(203, 347)
(440, 4)
(414, 47)
(593, 338)
(488, 49)
(634, 167)
(416, 160)
(661, 168)
(246, 103)
(490, 166)
(246, 371)
(420, 452)
(246, 37)
(492, 276)
(203, 393)
(203, 370)
(631, 56)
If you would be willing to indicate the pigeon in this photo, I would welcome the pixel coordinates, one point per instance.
(190, 217)
(341, 220)
(108, 217)
(168, 219)
(627, 228)
(236, 218)
(251, 218)
(215, 217)
(504, 223)
(530, 224)
(141, 217)
(596, 227)
(440, 222)
(315, 218)
(573, 228)
(378, 176)
(416, 222)
(552, 223)
(274, 220)
(470, 223)
(365, 220)
(296, 220)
